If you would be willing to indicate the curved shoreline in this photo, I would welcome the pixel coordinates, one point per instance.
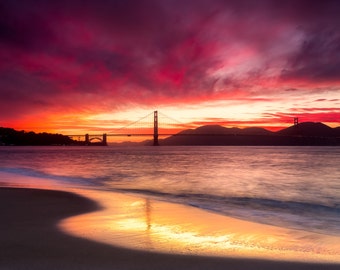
(142, 223)
(30, 239)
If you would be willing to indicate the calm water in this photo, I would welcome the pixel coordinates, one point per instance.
(293, 187)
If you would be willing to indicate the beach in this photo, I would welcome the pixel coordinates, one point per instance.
(31, 238)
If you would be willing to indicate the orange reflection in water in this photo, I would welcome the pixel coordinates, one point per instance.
(143, 223)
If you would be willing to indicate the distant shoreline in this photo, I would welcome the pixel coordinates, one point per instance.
(303, 134)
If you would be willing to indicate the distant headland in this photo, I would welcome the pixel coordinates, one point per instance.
(10, 136)
(307, 133)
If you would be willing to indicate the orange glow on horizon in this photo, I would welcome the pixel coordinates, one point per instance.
(91, 124)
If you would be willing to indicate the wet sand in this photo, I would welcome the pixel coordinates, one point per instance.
(140, 222)
(31, 239)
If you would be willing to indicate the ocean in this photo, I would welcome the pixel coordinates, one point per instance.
(290, 187)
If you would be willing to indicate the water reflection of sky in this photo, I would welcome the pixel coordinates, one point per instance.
(141, 223)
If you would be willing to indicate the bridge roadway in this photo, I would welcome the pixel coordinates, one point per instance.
(124, 135)
(161, 134)
(176, 134)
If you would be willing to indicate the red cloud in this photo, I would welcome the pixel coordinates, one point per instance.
(109, 54)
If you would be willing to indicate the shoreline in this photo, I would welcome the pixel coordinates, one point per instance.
(30, 238)
(149, 224)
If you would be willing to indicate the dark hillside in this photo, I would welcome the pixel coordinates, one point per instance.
(308, 129)
(301, 134)
(9, 136)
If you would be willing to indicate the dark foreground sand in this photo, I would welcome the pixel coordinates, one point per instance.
(29, 239)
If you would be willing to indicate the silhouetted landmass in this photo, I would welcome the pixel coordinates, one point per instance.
(130, 143)
(337, 131)
(302, 134)
(307, 133)
(309, 129)
(9, 136)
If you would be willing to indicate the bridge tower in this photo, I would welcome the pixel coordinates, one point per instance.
(155, 128)
(104, 141)
(87, 139)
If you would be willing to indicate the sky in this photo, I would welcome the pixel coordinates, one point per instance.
(76, 67)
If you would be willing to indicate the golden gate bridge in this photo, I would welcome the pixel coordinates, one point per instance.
(154, 124)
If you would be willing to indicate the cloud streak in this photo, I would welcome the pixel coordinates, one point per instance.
(104, 56)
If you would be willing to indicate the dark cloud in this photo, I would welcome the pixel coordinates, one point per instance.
(319, 56)
(24, 94)
(24, 25)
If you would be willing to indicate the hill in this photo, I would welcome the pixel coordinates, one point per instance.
(337, 131)
(9, 136)
(302, 134)
(216, 129)
(309, 129)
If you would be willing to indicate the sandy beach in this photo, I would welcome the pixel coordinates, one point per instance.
(31, 239)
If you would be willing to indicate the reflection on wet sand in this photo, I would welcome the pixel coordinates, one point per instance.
(143, 223)
(148, 214)
(148, 223)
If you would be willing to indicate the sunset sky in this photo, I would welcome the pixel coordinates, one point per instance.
(76, 67)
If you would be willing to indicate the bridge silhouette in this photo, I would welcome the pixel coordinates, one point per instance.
(148, 126)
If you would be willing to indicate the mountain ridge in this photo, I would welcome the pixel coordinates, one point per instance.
(306, 133)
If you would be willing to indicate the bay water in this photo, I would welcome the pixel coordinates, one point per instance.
(291, 187)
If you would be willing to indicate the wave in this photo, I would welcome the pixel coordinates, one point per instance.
(43, 175)
(312, 216)
(249, 202)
